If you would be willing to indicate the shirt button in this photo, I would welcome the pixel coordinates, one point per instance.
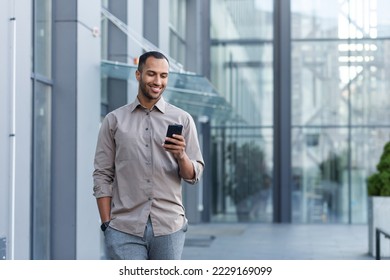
(146, 128)
(149, 198)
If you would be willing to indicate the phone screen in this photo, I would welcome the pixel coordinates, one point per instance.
(173, 129)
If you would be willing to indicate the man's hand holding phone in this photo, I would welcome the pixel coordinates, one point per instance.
(174, 141)
(176, 145)
(173, 129)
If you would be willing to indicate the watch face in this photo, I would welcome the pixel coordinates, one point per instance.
(104, 226)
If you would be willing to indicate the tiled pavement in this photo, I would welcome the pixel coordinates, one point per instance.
(276, 242)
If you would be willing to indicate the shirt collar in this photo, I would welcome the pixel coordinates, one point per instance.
(160, 105)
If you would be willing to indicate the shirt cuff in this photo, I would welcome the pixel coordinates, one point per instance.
(198, 168)
(102, 191)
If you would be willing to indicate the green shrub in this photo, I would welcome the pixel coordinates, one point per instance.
(374, 185)
(378, 184)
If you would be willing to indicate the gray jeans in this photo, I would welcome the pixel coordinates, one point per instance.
(124, 246)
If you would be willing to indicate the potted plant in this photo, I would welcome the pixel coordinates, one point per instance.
(248, 182)
(378, 190)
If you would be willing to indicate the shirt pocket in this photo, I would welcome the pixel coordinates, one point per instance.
(126, 147)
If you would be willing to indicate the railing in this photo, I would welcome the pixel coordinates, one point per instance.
(378, 233)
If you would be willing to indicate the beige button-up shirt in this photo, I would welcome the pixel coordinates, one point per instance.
(133, 168)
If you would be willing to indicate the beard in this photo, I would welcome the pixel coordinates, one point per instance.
(147, 92)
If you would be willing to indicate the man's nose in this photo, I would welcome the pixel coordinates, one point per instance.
(157, 80)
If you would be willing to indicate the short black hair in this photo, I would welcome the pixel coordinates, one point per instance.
(144, 57)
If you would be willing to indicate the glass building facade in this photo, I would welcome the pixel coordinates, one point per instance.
(242, 145)
(339, 101)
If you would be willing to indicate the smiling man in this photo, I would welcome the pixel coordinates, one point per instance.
(137, 177)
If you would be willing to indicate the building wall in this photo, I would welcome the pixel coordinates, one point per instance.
(15, 167)
(76, 118)
(5, 88)
(88, 120)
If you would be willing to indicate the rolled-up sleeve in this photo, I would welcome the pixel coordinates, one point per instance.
(198, 168)
(193, 151)
(104, 162)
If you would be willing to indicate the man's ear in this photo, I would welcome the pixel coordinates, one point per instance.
(138, 75)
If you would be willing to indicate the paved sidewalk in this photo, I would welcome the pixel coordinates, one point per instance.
(276, 242)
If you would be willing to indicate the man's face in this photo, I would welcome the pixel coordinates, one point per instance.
(152, 79)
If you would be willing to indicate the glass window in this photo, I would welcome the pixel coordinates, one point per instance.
(320, 175)
(366, 148)
(41, 168)
(340, 19)
(242, 145)
(41, 172)
(340, 105)
(368, 67)
(339, 101)
(242, 174)
(42, 37)
(319, 94)
(177, 28)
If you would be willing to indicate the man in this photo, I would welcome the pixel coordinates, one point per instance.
(137, 177)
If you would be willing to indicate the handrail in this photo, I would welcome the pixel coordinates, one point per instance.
(378, 233)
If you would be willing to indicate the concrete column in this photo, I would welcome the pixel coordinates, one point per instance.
(282, 112)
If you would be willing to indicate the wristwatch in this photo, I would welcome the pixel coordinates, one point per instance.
(104, 226)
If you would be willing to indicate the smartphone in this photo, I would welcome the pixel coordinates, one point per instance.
(173, 129)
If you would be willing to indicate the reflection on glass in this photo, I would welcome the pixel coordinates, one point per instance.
(340, 105)
(242, 176)
(41, 172)
(42, 37)
(177, 27)
(242, 145)
(320, 175)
